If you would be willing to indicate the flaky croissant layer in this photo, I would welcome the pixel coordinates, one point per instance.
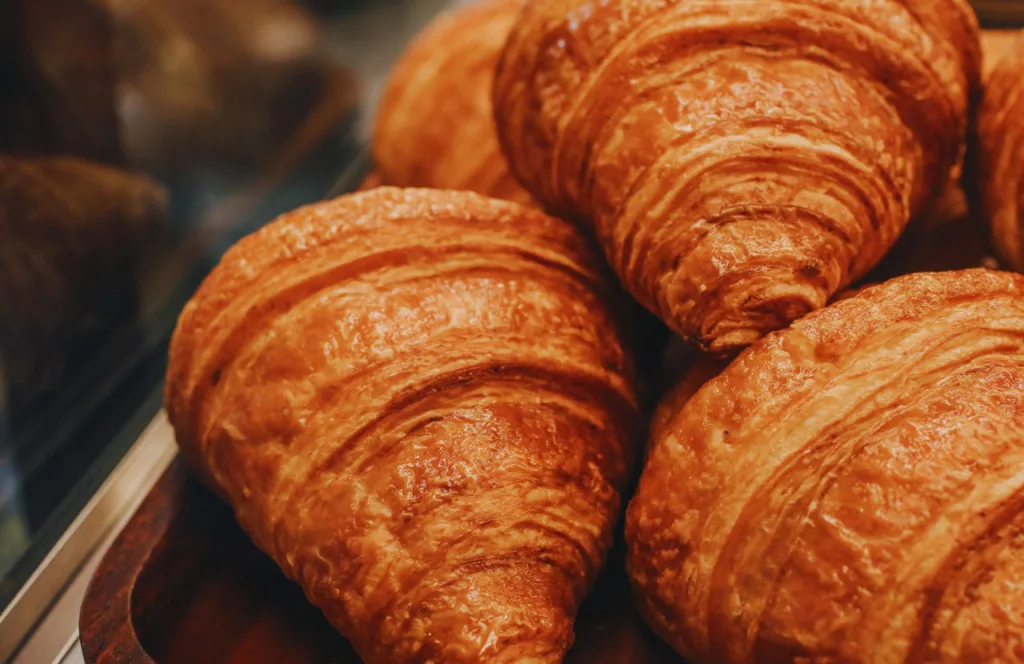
(418, 404)
(740, 160)
(849, 489)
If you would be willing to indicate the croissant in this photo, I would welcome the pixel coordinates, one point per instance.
(70, 235)
(850, 488)
(435, 127)
(419, 405)
(740, 160)
(1000, 154)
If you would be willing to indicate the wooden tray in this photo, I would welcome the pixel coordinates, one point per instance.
(183, 583)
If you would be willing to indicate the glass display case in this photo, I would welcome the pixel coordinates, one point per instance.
(138, 140)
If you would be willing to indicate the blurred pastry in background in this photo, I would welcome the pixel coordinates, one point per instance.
(996, 44)
(435, 127)
(372, 180)
(957, 245)
(71, 234)
(58, 75)
(999, 154)
(212, 83)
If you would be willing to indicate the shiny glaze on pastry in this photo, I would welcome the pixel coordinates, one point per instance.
(418, 404)
(850, 488)
(1000, 154)
(740, 160)
(435, 127)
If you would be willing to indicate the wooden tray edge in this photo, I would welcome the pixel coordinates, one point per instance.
(106, 621)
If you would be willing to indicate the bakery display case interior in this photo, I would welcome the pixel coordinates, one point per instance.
(407, 331)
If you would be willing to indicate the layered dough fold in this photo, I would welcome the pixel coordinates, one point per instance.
(418, 403)
(849, 489)
(740, 160)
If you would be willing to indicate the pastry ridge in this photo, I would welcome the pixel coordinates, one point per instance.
(741, 161)
(417, 402)
(849, 488)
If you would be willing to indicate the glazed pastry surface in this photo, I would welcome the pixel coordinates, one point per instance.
(850, 488)
(418, 403)
(435, 127)
(740, 160)
(1000, 153)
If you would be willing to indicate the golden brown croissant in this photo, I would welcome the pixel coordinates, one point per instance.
(741, 160)
(70, 236)
(418, 404)
(215, 84)
(850, 488)
(435, 127)
(1000, 154)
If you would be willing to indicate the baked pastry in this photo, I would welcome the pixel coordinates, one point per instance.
(1000, 154)
(418, 404)
(435, 127)
(850, 488)
(740, 161)
(71, 232)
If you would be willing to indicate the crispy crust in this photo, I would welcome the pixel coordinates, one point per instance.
(744, 160)
(850, 488)
(435, 127)
(418, 404)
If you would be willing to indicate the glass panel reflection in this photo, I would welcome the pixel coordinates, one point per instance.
(138, 139)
